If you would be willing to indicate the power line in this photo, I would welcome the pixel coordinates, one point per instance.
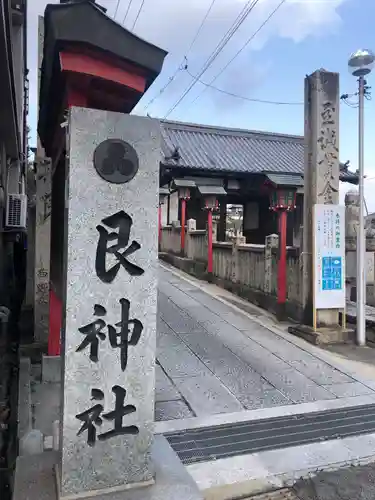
(242, 48)
(138, 13)
(345, 97)
(261, 101)
(127, 11)
(183, 64)
(117, 6)
(223, 42)
(200, 27)
(162, 90)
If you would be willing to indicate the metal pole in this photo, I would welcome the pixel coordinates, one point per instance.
(361, 241)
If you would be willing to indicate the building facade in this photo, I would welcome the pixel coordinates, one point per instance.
(13, 153)
(247, 165)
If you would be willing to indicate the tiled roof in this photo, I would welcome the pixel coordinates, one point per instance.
(286, 179)
(233, 150)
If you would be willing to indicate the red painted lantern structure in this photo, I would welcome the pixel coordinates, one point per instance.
(89, 61)
(282, 201)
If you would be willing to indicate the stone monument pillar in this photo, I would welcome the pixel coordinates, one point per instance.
(235, 271)
(214, 230)
(351, 219)
(43, 206)
(321, 176)
(272, 242)
(351, 225)
(191, 225)
(109, 331)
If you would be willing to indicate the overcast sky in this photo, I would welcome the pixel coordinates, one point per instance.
(302, 36)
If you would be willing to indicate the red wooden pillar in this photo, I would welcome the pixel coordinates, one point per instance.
(281, 268)
(183, 222)
(209, 242)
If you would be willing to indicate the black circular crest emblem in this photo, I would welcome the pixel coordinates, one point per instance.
(116, 161)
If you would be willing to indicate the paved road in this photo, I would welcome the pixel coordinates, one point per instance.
(213, 359)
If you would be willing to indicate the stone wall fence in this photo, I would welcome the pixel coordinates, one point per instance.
(251, 270)
(248, 270)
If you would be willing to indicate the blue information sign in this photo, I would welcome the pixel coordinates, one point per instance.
(329, 257)
(331, 273)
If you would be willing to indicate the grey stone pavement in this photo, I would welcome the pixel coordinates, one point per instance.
(353, 483)
(212, 359)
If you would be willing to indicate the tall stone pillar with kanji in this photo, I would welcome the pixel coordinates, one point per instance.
(321, 187)
(109, 331)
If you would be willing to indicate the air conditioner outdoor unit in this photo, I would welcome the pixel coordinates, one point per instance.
(16, 211)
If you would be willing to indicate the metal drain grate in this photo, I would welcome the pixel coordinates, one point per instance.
(284, 494)
(211, 443)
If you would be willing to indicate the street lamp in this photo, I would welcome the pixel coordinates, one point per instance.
(360, 64)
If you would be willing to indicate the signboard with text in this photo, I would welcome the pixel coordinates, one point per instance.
(329, 256)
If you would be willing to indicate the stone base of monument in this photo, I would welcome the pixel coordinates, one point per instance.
(36, 479)
(51, 369)
(324, 335)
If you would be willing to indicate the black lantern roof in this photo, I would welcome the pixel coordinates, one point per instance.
(84, 24)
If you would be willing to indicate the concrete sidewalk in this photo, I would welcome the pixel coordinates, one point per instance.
(213, 358)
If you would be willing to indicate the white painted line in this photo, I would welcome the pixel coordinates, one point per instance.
(167, 426)
(315, 351)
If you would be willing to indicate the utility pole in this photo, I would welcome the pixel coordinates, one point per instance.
(360, 64)
(361, 238)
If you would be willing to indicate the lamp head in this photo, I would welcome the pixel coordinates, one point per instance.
(361, 62)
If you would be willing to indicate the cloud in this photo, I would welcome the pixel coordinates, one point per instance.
(175, 30)
(172, 24)
(244, 78)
